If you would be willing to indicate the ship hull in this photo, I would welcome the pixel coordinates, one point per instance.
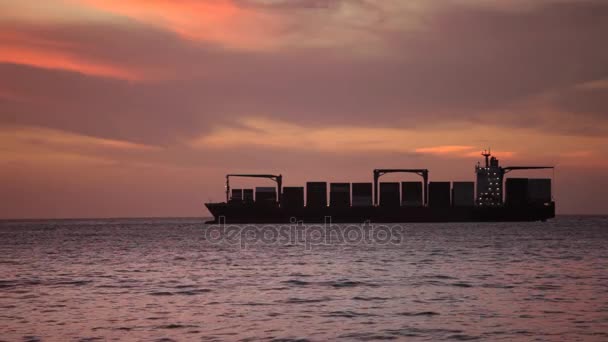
(241, 213)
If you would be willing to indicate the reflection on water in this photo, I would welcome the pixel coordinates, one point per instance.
(159, 279)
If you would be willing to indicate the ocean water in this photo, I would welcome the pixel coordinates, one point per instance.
(171, 279)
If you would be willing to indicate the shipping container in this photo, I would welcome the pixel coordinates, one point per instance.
(439, 194)
(516, 192)
(539, 190)
(362, 194)
(237, 194)
(463, 194)
(339, 187)
(316, 194)
(411, 194)
(293, 197)
(389, 194)
(339, 195)
(248, 195)
(266, 195)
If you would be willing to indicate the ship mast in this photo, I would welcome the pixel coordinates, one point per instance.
(487, 154)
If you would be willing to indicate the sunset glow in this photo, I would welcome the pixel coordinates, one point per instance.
(57, 60)
(168, 96)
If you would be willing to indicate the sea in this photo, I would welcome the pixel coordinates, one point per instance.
(181, 280)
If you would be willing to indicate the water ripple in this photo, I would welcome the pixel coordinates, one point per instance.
(160, 280)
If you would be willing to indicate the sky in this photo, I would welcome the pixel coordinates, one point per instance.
(138, 108)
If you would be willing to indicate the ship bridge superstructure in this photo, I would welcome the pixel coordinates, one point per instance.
(489, 181)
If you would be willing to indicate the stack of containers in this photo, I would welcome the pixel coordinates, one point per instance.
(266, 195)
(293, 197)
(237, 195)
(539, 190)
(516, 194)
(389, 194)
(463, 194)
(339, 195)
(316, 194)
(439, 194)
(362, 195)
(248, 195)
(411, 194)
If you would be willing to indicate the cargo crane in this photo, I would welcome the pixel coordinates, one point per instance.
(276, 178)
(513, 168)
(424, 173)
(493, 162)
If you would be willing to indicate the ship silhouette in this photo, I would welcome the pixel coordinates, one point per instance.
(492, 198)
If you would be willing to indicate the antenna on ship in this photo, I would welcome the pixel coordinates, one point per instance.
(486, 154)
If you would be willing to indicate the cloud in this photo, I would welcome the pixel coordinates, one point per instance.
(578, 154)
(221, 21)
(263, 25)
(461, 151)
(282, 135)
(253, 132)
(467, 63)
(294, 4)
(594, 85)
(51, 137)
(502, 154)
(49, 59)
(58, 11)
(289, 85)
(48, 146)
(590, 100)
(444, 149)
(89, 49)
(10, 95)
(46, 159)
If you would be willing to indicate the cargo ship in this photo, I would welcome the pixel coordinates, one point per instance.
(523, 199)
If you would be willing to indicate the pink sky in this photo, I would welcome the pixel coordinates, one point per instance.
(122, 108)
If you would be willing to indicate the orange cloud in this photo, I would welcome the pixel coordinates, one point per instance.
(283, 135)
(582, 158)
(444, 149)
(18, 136)
(499, 154)
(10, 95)
(578, 154)
(277, 134)
(525, 144)
(46, 147)
(53, 157)
(219, 21)
(56, 59)
(461, 151)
